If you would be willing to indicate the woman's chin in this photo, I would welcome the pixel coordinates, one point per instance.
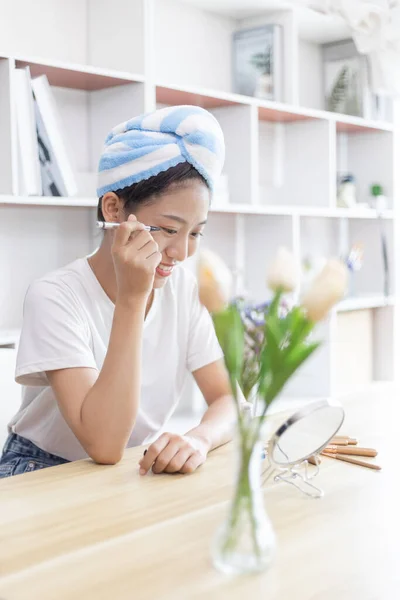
(159, 281)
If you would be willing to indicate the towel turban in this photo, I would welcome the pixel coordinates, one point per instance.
(152, 143)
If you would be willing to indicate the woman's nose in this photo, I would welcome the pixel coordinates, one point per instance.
(178, 250)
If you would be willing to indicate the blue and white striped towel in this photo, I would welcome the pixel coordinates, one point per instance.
(152, 143)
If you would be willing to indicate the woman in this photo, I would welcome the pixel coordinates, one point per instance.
(108, 340)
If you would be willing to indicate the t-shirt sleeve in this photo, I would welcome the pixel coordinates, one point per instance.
(203, 346)
(54, 334)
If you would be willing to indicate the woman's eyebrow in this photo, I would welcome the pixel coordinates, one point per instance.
(180, 220)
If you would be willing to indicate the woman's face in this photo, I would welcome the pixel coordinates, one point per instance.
(181, 214)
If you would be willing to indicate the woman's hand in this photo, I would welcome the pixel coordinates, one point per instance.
(173, 453)
(136, 257)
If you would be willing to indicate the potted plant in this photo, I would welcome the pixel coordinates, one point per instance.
(263, 62)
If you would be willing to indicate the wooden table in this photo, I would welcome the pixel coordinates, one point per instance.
(82, 531)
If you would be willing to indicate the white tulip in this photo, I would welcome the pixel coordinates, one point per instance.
(283, 272)
(326, 290)
(215, 281)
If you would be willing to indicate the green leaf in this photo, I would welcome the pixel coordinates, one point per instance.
(300, 354)
(298, 327)
(274, 381)
(230, 333)
(293, 318)
(270, 356)
(248, 383)
(273, 309)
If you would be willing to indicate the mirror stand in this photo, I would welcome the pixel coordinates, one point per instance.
(299, 476)
(302, 436)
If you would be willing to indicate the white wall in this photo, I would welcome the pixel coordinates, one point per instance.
(115, 34)
(46, 28)
(295, 163)
(354, 350)
(64, 236)
(195, 47)
(370, 161)
(10, 392)
(311, 92)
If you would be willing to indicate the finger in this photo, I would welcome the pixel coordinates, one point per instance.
(154, 260)
(125, 231)
(139, 239)
(177, 462)
(165, 457)
(148, 251)
(152, 453)
(142, 240)
(193, 462)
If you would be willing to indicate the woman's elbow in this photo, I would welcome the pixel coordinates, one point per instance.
(103, 456)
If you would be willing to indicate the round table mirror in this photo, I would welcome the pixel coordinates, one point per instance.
(301, 436)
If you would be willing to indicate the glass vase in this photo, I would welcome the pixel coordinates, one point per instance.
(245, 542)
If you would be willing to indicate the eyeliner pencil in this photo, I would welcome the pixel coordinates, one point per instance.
(107, 225)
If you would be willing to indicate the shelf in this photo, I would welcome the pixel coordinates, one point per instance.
(89, 78)
(347, 213)
(81, 77)
(277, 112)
(285, 113)
(302, 211)
(175, 94)
(9, 337)
(239, 9)
(348, 124)
(48, 201)
(365, 302)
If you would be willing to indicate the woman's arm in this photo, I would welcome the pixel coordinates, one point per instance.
(217, 424)
(172, 453)
(101, 407)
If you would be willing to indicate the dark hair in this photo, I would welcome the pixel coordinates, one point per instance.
(146, 191)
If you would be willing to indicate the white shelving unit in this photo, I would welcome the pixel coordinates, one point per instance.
(129, 56)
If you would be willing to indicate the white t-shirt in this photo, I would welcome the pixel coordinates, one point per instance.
(67, 323)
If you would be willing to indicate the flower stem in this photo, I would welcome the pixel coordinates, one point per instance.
(243, 500)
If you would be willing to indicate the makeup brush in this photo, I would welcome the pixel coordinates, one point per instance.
(353, 461)
(357, 451)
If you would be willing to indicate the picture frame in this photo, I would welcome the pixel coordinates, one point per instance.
(258, 62)
(346, 83)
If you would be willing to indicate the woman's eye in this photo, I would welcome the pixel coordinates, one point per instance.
(194, 234)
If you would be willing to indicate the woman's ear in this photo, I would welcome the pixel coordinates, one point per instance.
(112, 208)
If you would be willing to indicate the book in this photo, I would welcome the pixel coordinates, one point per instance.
(52, 181)
(58, 177)
(258, 62)
(29, 167)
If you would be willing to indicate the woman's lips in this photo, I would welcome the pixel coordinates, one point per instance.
(164, 270)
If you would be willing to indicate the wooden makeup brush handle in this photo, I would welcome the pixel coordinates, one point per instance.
(353, 461)
(352, 450)
(343, 440)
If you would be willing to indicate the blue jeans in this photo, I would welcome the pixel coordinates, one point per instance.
(22, 456)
